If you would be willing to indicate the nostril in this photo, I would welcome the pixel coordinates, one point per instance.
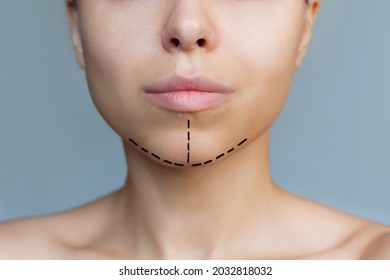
(201, 42)
(175, 41)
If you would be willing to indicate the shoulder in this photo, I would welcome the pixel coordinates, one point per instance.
(59, 235)
(379, 247)
(363, 240)
(23, 238)
(345, 236)
(54, 236)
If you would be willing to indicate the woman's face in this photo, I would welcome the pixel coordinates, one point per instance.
(250, 46)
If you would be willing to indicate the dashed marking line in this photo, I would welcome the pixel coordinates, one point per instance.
(189, 140)
(221, 155)
(132, 141)
(156, 156)
(242, 142)
(188, 151)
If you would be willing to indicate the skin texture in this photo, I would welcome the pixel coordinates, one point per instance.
(229, 209)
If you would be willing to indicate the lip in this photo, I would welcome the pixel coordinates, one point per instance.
(182, 94)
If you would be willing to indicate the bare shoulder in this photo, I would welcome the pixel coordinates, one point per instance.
(368, 240)
(53, 236)
(342, 235)
(26, 238)
(379, 247)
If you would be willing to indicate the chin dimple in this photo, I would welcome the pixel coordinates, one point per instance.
(188, 163)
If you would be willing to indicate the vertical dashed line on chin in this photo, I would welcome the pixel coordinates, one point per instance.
(188, 140)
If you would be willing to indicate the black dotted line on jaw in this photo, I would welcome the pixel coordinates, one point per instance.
(188, 151)
(156, 156)
(242, 142)
(132, 141)
(221, 155)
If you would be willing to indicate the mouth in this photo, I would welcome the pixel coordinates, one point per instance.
(181, 94)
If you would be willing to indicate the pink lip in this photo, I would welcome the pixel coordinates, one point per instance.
(183, 94)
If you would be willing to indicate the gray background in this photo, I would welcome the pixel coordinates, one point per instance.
(330, 143)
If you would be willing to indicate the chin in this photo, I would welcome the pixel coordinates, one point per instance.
(186, 150)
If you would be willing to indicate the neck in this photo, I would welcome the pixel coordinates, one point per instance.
(197, 212)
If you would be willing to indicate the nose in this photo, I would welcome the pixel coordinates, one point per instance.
(189, 27)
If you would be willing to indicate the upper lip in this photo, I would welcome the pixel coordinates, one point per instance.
(179, 83)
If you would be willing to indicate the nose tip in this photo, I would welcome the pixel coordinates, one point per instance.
(188, 28)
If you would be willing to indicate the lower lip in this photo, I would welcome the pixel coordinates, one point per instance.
(187, 101)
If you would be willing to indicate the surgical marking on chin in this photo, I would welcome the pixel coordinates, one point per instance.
(188, 140)
(221, 155)
(132, 141)
(188, 151)
(156, 156)
(242, 142)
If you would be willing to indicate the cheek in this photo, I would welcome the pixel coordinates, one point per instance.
(266, 61)
(114, 57)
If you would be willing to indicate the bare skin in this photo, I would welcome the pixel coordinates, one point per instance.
(99, 231)
(230, 209)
